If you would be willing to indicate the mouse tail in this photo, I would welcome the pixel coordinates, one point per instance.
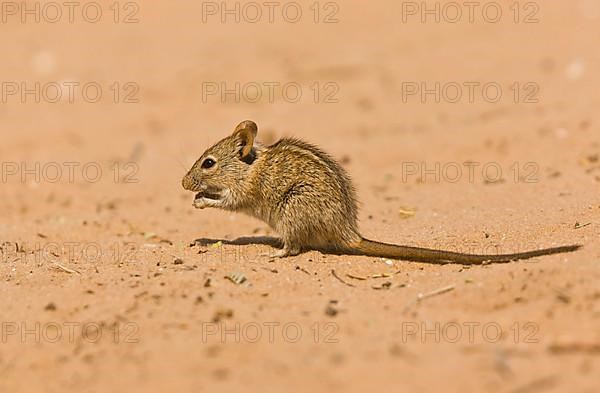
(417, 254)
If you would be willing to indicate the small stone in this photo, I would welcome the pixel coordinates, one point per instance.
(222, 314)
(330, 310)
(237, 278)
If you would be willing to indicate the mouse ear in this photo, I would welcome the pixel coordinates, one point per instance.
(246, 132)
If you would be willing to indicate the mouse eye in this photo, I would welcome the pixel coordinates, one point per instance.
(208, 163)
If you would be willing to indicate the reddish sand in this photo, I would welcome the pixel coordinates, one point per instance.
(102, 292)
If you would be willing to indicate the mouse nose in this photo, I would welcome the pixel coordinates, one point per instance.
(191, 183)
(187, 182)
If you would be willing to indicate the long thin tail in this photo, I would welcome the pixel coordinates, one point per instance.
(417, 254)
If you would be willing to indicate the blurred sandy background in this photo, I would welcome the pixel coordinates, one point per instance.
(154, 299)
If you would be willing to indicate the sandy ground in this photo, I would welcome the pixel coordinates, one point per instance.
(104, 287)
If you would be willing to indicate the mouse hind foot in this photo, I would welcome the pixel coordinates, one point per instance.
(284, 252)
(287, 252)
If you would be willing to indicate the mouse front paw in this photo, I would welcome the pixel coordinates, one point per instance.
(200, 203)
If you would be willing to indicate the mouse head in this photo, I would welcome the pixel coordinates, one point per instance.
(218, 175)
